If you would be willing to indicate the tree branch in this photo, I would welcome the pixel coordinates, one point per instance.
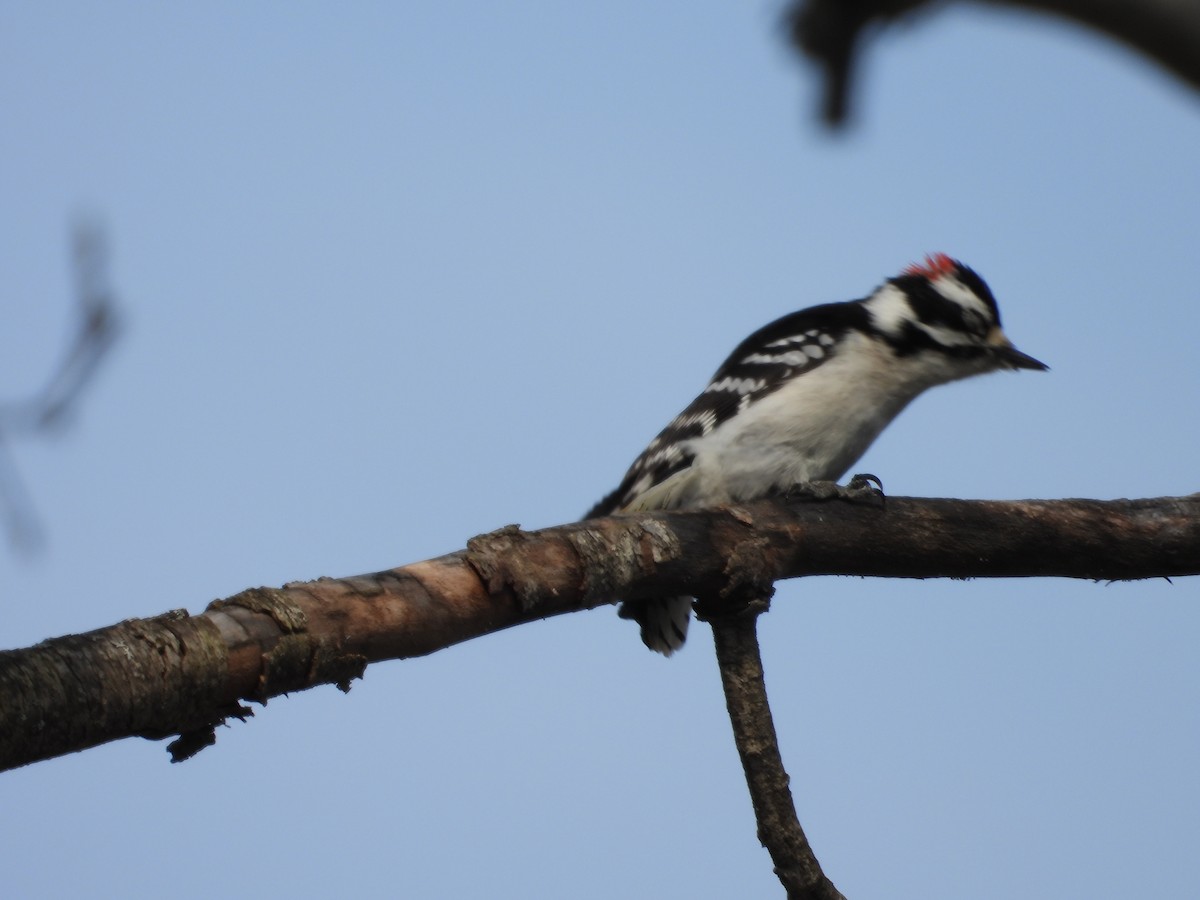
(830, 33)
(779, 830)
(96, 327)
(183, 674)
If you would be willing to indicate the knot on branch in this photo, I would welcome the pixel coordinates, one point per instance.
(331, 665)
(613, 557)
(192, 740)
(750, 572)
(296, 659)
(272, 602)
(506, 560)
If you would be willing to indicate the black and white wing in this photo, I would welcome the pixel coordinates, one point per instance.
(760, 365)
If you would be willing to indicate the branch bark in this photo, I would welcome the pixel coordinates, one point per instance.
(184, 674)
(830, 33)
(779, 830)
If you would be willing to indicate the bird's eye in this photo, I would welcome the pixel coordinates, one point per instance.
(974, 323)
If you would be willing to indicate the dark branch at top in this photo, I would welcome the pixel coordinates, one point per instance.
(831, 32)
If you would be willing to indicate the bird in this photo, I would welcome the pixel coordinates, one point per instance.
(802, 398)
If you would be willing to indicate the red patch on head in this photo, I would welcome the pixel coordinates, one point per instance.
(934, 266)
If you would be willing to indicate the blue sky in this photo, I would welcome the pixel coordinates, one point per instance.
(392, 275)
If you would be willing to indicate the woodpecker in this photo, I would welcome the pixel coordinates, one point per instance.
(802, 398)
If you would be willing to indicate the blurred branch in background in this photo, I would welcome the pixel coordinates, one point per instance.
(95, 329)
(830, 32)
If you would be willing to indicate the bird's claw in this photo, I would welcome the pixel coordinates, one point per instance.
(866, 483)
(863, 486)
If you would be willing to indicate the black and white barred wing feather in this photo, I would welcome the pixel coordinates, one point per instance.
(663, 477)
(761, 364)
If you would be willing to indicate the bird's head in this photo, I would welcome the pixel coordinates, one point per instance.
(942, 306)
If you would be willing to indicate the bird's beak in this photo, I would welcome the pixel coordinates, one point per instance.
(1010, 356)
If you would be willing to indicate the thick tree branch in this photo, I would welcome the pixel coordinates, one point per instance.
(830, 32)
(182, 674)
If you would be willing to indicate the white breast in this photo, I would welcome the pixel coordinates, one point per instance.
(814, 427)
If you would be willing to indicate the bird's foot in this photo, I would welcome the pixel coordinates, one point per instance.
(863, 486)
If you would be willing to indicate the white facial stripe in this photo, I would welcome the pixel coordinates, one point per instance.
(954, 290)
(947, 337)
(889, 310)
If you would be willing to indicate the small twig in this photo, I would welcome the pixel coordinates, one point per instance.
(96, 326)
(754, 733)
(20, 521)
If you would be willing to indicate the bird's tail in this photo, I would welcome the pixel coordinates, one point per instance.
(664, 621)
